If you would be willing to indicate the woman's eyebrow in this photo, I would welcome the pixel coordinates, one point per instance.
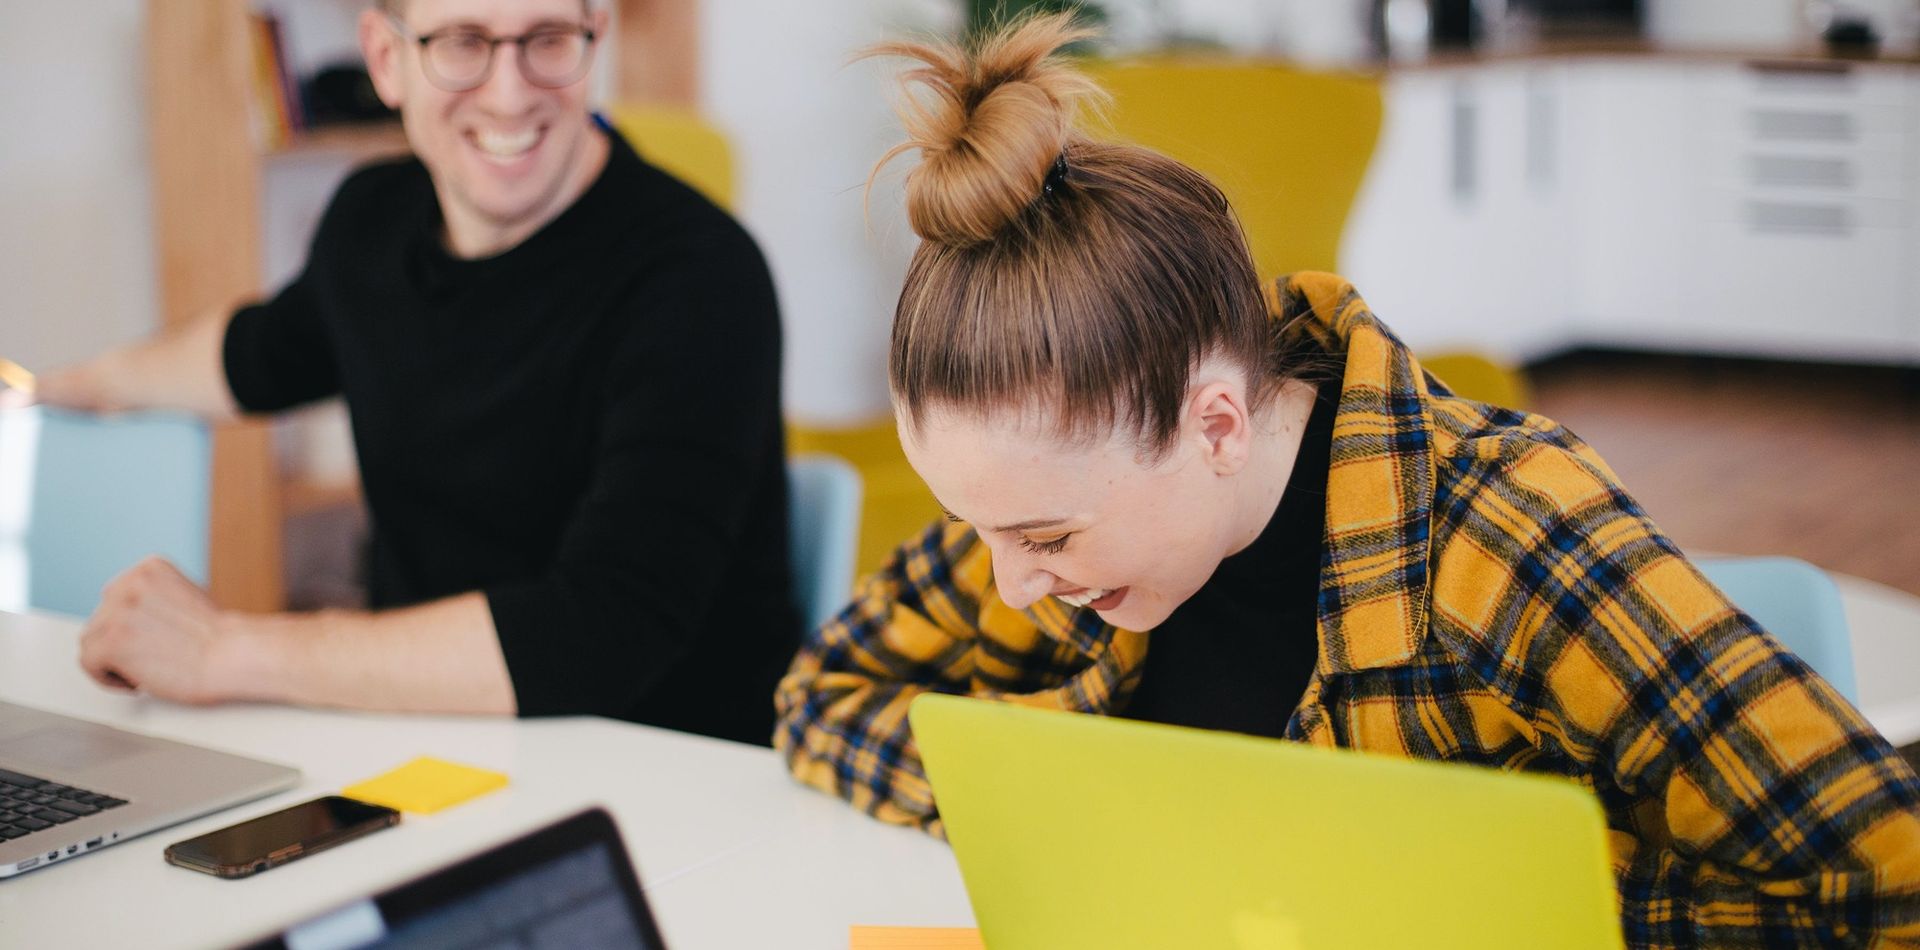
(1032, 524)
(1019, 526)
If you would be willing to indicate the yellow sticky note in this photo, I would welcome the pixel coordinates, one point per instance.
(426, 785)
(915, 938)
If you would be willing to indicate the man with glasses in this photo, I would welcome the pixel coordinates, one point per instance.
(562, 368)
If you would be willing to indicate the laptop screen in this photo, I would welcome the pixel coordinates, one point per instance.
(567, 885)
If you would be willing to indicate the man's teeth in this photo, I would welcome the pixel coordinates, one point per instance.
(1083, 598)
(506, 146)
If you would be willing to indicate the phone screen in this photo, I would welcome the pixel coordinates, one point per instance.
(280, 836)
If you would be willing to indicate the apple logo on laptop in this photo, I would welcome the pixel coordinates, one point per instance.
(1265, 930)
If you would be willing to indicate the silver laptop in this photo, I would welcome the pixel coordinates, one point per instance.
(68, 786)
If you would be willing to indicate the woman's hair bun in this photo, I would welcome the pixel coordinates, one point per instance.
(989, 121)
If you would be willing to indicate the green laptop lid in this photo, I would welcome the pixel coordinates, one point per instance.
(1083, 831)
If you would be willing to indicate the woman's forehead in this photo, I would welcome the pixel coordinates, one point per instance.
(1003, 472)
(1016, 437)
(1034, 424)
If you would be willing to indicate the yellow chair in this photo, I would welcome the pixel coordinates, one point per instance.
(681, 143)
(1480, 378)
(1288, 146)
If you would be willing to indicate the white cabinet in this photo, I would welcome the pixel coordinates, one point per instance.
(1409, 242)
(1713, 206)
(1910, 263)
(1634, 213)
(1524, 194)
(1456, 238)
(1806, 224)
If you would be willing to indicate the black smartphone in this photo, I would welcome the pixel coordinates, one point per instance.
(274, 839)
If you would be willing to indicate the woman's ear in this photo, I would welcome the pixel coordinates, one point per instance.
(1220, 424)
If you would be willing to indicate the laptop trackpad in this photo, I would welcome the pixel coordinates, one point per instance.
(70, 748)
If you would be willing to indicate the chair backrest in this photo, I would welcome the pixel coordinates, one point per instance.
(1798, 604)
(824, 532)
(83, 498)
(1479, 377)
(681, 143)
(895, 505)
(1289, 146)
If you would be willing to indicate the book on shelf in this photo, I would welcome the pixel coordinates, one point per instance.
(296, 105)
(278, 112)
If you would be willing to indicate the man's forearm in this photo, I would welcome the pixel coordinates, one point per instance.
(442, 656)
(177, 369)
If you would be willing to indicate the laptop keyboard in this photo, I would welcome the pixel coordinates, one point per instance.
(29, 804)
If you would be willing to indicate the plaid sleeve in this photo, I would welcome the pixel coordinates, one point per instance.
(1760, 807)
(843, 705)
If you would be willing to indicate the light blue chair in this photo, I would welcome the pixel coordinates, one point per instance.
(824, 532)
(1797, 603)
(83, 498)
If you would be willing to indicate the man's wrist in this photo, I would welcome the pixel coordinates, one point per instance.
(246, 659)
(101, 385)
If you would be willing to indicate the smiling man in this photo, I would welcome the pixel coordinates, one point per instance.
(563, 372)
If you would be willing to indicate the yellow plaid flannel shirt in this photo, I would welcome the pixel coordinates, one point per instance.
(1489, 594)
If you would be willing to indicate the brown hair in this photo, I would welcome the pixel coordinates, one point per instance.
(1094, 275)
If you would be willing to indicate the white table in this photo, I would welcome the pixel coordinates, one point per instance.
(731, 851)
(1885, 627)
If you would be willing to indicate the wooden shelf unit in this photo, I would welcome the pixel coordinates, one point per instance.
(364, 141)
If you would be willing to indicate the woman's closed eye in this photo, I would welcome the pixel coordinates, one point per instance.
(1050, 546)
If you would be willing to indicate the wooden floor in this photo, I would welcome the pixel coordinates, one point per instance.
(1748, 457)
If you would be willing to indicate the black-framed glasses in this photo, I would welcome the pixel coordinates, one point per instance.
(460, 58)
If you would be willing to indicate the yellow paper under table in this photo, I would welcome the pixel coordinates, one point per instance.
(915, 938)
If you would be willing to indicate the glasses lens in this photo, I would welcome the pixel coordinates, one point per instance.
(554, 57)
(458, 60)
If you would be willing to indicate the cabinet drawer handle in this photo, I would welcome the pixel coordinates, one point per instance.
(1802, 77)
(1799, 171)
(1780, 217)
(1798, 125)
(1464, 128)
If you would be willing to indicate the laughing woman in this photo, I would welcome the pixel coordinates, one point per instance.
(1326, 545)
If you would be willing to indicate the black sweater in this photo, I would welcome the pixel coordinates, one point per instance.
(585, 427)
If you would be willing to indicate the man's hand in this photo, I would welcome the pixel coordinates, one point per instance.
(158, 632)
(86, 387)
(179, 369)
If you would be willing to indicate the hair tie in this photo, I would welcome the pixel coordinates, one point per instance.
(1055, 176)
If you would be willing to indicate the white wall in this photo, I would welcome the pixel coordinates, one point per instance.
(76, 219)
(806, 127)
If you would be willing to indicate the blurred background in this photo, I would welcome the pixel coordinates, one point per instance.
(1688, 229)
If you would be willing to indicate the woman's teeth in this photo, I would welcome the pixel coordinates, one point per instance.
(1083, 598)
